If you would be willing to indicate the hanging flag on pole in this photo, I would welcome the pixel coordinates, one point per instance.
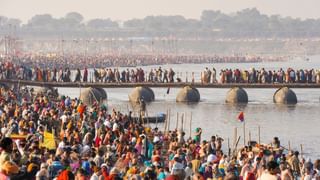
(241, 116)
(241, 119)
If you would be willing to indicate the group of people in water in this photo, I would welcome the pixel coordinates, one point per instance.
(58, 137)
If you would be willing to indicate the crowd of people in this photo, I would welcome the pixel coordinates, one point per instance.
(12, 71)
(97, 143)
(75, 61)
(9, 70)
(262, 75)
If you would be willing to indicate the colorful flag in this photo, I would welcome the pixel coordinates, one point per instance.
(48, 141)
(241, 117)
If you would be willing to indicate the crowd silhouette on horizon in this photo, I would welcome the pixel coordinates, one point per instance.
(74, 61)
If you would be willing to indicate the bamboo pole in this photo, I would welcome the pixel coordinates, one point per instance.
(289, 145)
(229, 150)
(235, 135)
(244, 133)
(182, 122)
(301, 149)
(169, 119)
(192, 77)
(235, 146)
(190, 129)
(259, 135)
(186, 76)
(79, 90)
(177, 122)
(166, 122)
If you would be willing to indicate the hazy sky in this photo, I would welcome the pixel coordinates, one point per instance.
(127, 9)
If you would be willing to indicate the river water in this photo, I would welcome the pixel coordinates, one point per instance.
(298, 124)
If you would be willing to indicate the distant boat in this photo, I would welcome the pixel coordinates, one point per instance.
(159, 118)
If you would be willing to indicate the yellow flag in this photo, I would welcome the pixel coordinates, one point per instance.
(48, 141)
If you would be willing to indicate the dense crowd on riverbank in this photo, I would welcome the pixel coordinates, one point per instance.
(9, 70)
(94, 142)
(127, 60)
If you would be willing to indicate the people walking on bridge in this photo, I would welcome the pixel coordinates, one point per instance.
(159, 75)
(78, 76)
(171, 75)
(85, 75)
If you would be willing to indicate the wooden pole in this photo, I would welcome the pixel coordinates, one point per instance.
(229, 150)
(249, 136)
(177, 122)
(235, 136)
(236, 145)
(301, 149)
(190, 129)
(186, 76)
(182, 122)
(192, 77)
(259, 135)
(166, 122)
(169, 119)
(244, 133)
(289, 145)
(79, 90)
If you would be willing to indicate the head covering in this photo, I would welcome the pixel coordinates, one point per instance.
(114, 170)
(104, 165)
(86, 166)
(31, 167)
(9, 168)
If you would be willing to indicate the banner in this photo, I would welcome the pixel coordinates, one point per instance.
(48, 141)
